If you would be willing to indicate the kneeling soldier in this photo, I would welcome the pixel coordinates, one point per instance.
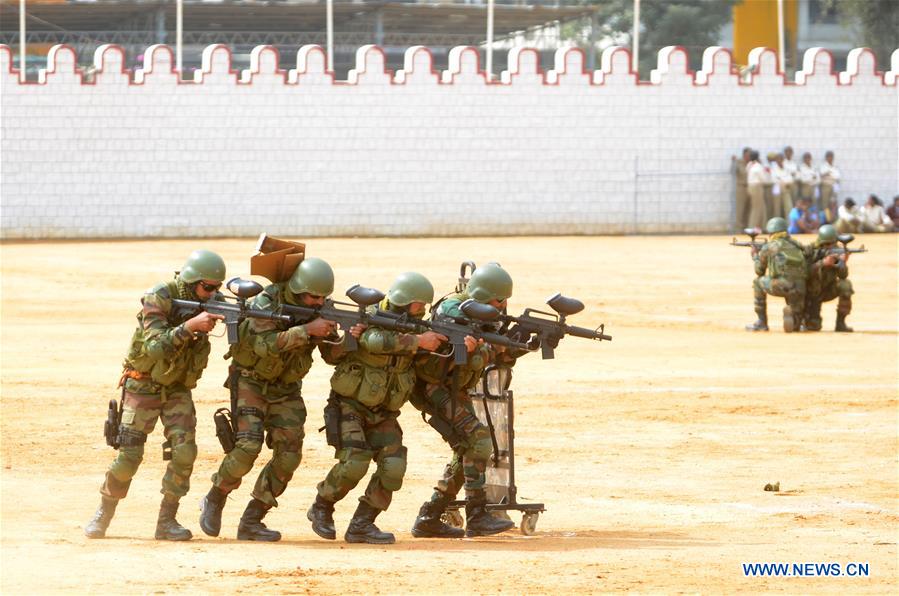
(827, 279)
(783, 259)
(368, 389)
(270, 361)
(167, 356)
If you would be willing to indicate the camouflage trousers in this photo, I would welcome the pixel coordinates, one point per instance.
(139, 415)
(280, 423)
(841, 289)
(793, 291)
(470, 440)
(366, 435)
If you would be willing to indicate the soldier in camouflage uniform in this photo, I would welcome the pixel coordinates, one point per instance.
(827, 279)
(369, 387)
(783, 259)
(270, 362)
(167, 356)
(442, 392)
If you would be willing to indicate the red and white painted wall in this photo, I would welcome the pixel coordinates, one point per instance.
(420, 152)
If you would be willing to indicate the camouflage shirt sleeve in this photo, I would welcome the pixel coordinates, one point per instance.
(382, 341)
(162, 338)
(269, 338)
(761, 259)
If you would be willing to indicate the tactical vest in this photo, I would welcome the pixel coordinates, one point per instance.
(167, 365)
(285, 368)
(435, 370)
(375, 380)
(789, 260)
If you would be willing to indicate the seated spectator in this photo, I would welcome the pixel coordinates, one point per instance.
(893, 213)
(803, 218)
(849, 219)
(874, 218)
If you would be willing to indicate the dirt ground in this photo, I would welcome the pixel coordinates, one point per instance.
(650, 452)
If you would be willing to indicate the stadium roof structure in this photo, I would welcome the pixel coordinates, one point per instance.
(397, 22)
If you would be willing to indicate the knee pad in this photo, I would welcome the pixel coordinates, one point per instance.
(126, 463)
(286, 461)
(354, 463)
(844, 288)
(480, 446)
(391, 470)
(245, 453)
(184, 451)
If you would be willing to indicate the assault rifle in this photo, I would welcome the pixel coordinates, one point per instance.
(478, 315)
(752, 233)
(550, 327)
(345, 318)
(234, 312)
(845, 239)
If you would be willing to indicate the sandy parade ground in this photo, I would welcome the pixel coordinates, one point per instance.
(650, 452)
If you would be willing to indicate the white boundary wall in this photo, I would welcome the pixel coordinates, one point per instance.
(419, 152)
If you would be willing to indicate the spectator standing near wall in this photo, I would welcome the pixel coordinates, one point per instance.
(755, 184)
(893, 213)
(790, 166)
(830, 181)
(741, 214)
(874, 218)
(848, 218)
(783, 187)
(770, 199)
(809, 178)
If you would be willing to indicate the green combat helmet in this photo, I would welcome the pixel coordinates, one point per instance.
(410, 287)
(775, 225)
(827, 234)
(490, 282)
(202, 264)
(313, 276)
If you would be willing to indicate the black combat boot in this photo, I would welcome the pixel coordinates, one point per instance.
(428, 523)
(251, 526)
(211, 511)
(96, 527)
(479, 522)
(167, 527)
(789, 320)
(841, 326)
(760, 325)
(321, 514)
(362, 527)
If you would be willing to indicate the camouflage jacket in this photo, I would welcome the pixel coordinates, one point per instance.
(163, 352)
(379, 374)
(782, 257)
(273, 360)
(436, 370)
(820, 275)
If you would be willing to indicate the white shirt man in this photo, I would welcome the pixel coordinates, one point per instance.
(848, 217)
(874, 218)
(809, 178)
(830, 181)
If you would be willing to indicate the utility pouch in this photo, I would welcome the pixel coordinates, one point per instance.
(332, 423)
(166, 450)
(111, 426)
(224, 429)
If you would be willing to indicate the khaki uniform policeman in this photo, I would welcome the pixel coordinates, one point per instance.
(167, 356)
